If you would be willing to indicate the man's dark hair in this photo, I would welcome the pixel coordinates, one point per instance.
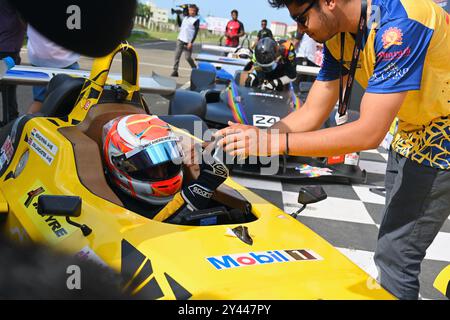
(283, 3)
(197, 9)
(234, 11)
(264, 20)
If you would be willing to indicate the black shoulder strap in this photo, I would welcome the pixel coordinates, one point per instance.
(344, 101)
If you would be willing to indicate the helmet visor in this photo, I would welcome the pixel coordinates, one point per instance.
(269, 67)
(153, 162)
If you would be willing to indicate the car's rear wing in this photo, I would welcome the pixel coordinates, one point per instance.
(219, 49)
(29, 75)
(206, 57)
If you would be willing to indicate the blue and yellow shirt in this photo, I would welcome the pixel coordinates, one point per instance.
(406, 48)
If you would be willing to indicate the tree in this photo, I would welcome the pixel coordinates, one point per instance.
(143, 10)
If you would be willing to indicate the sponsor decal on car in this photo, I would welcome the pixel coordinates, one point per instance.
(46, 143)
(6, 152)
(352, 159)
(261, 120)
(336, 159)
(314, 172)
(87, 254)
(260, 258)
(32, 194)
(42, 146)
(267, 95)
(58, 229)
(8, 148)
(392, 37)
(87, 105)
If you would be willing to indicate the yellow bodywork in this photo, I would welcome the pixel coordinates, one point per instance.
(174, 252)
(442, 282)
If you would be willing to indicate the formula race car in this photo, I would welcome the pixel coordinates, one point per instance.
(242, 248)
(224, 61)
(217, 104)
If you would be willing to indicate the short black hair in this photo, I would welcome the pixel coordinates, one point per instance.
(264, 20)
(194, 7)
(284, 3)
(234, 11)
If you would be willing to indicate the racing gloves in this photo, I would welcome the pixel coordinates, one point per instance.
(213, 172)
(275, 84)
(252, 80)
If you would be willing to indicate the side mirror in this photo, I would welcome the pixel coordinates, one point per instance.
(62, 206)
(308, 195)
(311, 194)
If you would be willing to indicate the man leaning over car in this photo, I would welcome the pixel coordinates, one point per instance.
(404, 67)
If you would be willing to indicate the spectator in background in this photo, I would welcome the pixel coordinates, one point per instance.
(234, 30)
(12, 34)
(305, 49)
(189, 27)
(306, 55)
(264, 32)
(44, 53)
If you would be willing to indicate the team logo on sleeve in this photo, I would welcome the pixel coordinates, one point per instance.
(392, 37)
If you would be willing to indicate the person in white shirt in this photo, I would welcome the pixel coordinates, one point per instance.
(306, 52)
(44, 53)
(305, 49)
(189, 28)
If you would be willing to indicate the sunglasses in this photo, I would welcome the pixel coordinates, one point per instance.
(302, 18)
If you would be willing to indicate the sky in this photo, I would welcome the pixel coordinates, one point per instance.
(251, 12)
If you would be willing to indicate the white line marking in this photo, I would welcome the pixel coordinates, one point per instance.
(153, 43)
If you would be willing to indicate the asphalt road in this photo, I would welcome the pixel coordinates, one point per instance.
(156, 56)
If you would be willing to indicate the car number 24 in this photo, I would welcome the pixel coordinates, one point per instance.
(260, 120)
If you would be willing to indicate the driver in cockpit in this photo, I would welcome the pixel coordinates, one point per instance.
(144, 166)
(273, 65)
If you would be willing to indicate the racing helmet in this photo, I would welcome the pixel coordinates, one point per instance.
(243, 53)
(266, 55)
(143, 158)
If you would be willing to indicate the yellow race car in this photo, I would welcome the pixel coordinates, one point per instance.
(53, 191)
(442, 282)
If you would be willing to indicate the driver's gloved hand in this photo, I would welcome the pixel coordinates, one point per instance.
(213, 172)
(251, 81)
(275, 84)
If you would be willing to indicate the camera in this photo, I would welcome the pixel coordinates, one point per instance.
(184, 10)
(177, 11)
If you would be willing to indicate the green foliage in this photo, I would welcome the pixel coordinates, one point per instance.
(143, 10)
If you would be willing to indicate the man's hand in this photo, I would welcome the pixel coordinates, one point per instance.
(214, 170)
(243, 141)
(275, 84)
(251, 80)
(189, 46)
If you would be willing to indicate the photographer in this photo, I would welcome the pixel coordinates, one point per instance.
(189, 27)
